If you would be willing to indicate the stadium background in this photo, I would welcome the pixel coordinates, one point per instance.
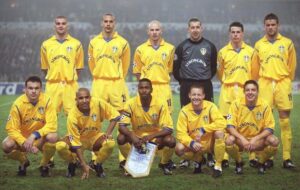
(24, 24)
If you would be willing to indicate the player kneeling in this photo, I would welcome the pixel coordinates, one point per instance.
(151, 122)
(200, 130)
(84, 133)
(250, 124)
(31, 126)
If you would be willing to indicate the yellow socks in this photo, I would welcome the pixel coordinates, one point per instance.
(286, 138)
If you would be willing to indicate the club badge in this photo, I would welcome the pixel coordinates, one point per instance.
(154, 117)
(203, 51)
(246, 58)
(41, 110)
(258, 116)
(163, 56)
(69, 49)
(94, 117)
(205, 118)
(281, 48)
(114, 49)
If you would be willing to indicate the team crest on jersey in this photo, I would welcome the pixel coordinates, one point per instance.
(94, 117)
(154, 117)
(258, 116)
(281, 48)
(71, 138)
(69, 49)
(203, 51)
(114, 49)
(228, 116)
(41, 110)
(246, 58)
(163, 56)
(205, 118)
(134, 64)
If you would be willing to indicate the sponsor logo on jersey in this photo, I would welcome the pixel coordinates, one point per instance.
(203, 51)
(94, 117)
(281, 48)
(246, 58)
(41, 110)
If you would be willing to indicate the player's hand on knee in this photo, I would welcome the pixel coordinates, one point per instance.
(34, 150)
(86, 170)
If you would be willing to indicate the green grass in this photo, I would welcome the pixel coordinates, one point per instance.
(276, 178)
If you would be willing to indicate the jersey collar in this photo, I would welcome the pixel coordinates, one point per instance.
(162, 42)
(278, 37)
(102, 37)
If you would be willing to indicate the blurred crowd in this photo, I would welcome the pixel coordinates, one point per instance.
(24, 24)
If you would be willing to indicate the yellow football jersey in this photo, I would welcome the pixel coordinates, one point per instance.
(149, 121)
(154, 64)
(250, 122)
(190, 123)
(82, 126)
(25, 118)
(234, 67)
(109, 59)
(275, 60)
(61, 60)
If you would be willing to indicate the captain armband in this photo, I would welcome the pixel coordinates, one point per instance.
(168, 129)
(270, 130)
(230, 126)
(37, 135)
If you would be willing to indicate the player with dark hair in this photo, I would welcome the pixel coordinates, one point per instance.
(234, 68)
(31, 127)
(151, 121)
(250, 124)
(61, 60)
(274, 65)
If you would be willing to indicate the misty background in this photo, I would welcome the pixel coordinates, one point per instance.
(25, 24)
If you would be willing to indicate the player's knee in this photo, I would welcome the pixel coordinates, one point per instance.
(52, 137)
(61, 146)
(219, 134)
(273, 140)
(179, 149)
(230, 140)
(121, 139)
(8, 145)
(109, 144)
(170, 141)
